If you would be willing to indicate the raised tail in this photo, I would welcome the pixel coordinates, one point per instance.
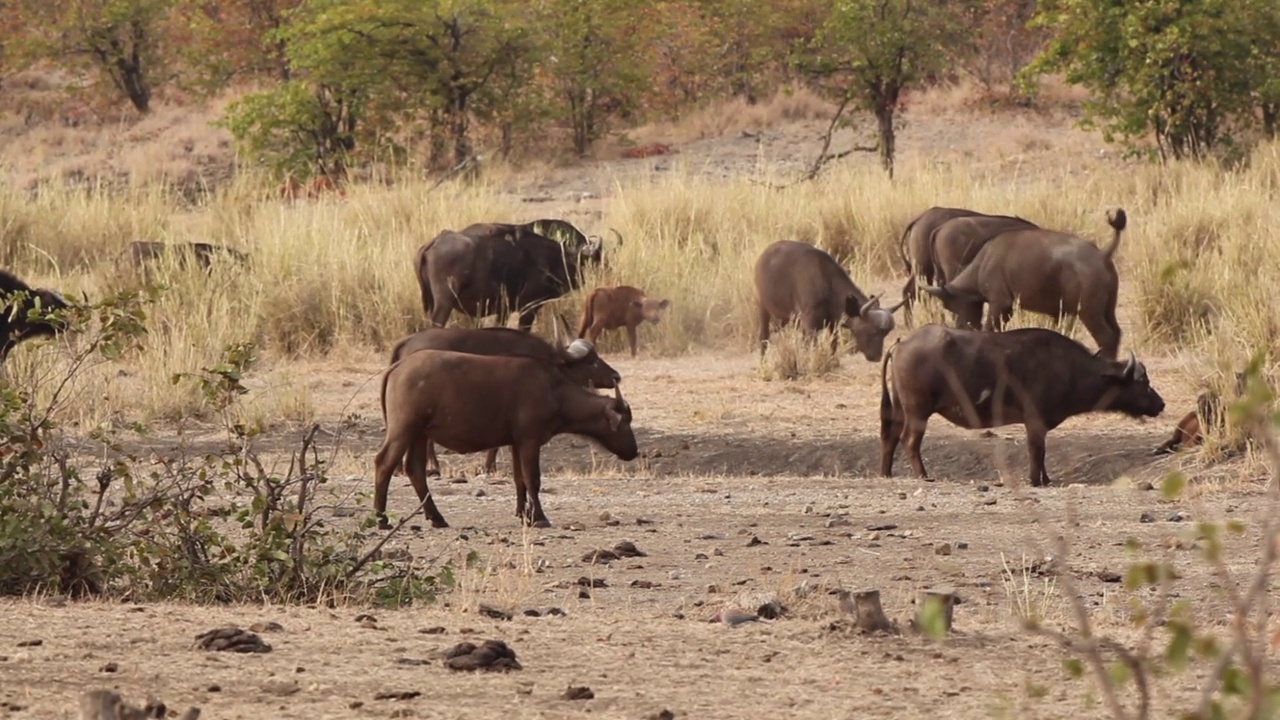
(886, 402)
(1117, 221)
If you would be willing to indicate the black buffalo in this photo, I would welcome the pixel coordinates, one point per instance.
(496, 268)
(15, 326)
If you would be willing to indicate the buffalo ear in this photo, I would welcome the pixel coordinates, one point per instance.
(613, 417)
(942, 293)
(663, 305)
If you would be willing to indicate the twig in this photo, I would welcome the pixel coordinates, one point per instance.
(823, 157)
(391, 533)
(470, 161)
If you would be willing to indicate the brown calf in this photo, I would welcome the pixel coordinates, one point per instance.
(622, 306)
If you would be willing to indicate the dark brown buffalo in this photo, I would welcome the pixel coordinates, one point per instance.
(470, 403)
(955, 243)
(1048, 272)
(15, 325)
(1032, 376)
(495, 269)
(619, 307)
(579, 362)
(795, 279)
(1208, 414)
(140, 254)
(917, 253)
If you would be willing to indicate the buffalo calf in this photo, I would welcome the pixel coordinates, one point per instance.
(470, 403)
(1208, 414)
(1032, 376)
(617, 307)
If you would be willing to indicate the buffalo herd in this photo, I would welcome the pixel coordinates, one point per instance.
(481, 389)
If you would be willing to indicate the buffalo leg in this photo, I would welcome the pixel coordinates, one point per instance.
(530, 458)
(1104, 333)
(631, 338)
(998, 317)
(433, 462)
(440, 315)
(385, 463)
(890, 434)
(491, 461)
(416, 465)
(765, 319)
(912, 436)
(517, 472)
(1035, 448)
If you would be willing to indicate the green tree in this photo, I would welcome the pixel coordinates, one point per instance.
(221, 42)
(1263, 21)
(595, 49)
(1178, 69)
(867, 52)
(120, 39)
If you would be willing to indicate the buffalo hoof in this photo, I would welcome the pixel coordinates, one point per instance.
(1163, 450)
(543, 523)
(384, 524)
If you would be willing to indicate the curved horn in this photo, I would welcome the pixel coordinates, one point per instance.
(615, 232)
(593, 245)
(1132, 366)
(85, 295)
(868, 307)
(892, 310)
(578, 349)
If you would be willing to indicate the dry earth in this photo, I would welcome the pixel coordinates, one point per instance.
(746, 490)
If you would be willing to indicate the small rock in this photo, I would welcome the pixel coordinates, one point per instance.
(30, 643)
(755, 541)
(919, 508)
(1177, 516)
(1146, 517)
(902, 496)
(717, 552)
(481, 493)
(231, 639)
(1146, 485)
(397, 695)
(984, 488)
(808, 510)
(613, 522)
(663, 714)
(261, 627)
(962, 545)
(362, 617)
(885, 526)
(215, 687)
(606, 516)
(436, 630)
(989, 501)
(874, 536)
(643, 521)
(641, 584)
(1107, 576)
(584, 594)
(109, 668)
(701, 556)
(838, 522)
(592, 582)
(626, 548)
(413, 662)
(942, 549)
(712, 589)
(580, 692)
(282, 688)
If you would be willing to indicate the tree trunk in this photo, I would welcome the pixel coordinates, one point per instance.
(884, 118)
(1270, 119)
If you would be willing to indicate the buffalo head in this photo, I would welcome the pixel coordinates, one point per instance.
(581, 364)
(651, 308)
(1130, 390)
(966, 305)
(869, 324)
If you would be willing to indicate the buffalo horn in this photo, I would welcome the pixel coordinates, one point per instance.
(593, 245)
(567, 328)
(1132, 366)
(618, 234)
(85, 295)
(578, 349)
(894, 309)
(868, 307)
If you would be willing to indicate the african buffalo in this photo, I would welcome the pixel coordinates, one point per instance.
(141, 253)
(794, 278)
(618, 307)
(1048, 272)
(470, 403)
(491, 268)
(579, 362)
(955, 243)
(14, 323)
(1032, 376)
(916, 252)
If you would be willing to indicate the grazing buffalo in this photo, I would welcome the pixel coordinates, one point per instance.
(1047, 272)
(491, 268)
(1207, 414)
(15, 326)
(916, 252)
(140, 254)
(470, 403)
(579, 362)
(797, 279)
(956, 242)
(617, 307)
(1033, 376)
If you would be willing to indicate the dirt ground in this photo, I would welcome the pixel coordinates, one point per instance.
(746, 491)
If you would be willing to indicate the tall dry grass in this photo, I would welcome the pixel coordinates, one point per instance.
(1197, 263)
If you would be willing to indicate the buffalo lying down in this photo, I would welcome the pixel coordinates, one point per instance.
(1048, 272)
(579, 362)
(470, 403)
(797, 279)
(1207, 414)
(1032, 376)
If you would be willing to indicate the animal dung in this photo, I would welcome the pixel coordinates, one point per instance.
(231, 639)
(577, 692)
(489, 656)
